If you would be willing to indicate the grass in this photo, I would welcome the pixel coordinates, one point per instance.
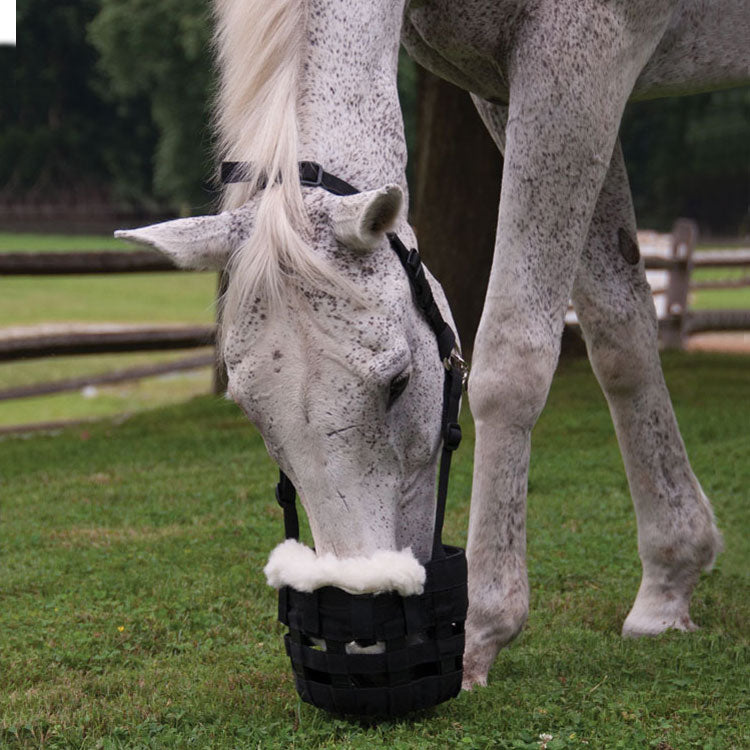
(48, 243)
(720, 299)
(120, 298)
(134, 612)
(115, 298)
(712, 299)
(103, 401)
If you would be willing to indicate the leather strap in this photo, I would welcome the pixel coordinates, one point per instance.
(311, 174)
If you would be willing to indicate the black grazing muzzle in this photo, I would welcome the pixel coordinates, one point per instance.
(382, 654)
(418, 643)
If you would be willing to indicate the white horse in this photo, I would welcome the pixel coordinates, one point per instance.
(327, 353)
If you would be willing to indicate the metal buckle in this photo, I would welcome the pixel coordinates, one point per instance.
(317, 181)
(413, 260)
(460, 364)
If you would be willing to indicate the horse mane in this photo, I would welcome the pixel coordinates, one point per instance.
(260, 46)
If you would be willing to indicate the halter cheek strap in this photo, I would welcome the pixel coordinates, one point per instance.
(313, 175)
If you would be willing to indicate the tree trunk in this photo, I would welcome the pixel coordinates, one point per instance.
(456, 195)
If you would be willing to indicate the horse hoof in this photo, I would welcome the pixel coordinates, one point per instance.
(471, 681)
(640, 627)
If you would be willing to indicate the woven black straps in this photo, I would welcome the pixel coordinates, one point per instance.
(313, 175)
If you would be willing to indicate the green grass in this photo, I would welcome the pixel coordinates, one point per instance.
(134, 612)
(712, 299)
(106, 400)
(114, 298)
(109, 400)
(720, 299)
(120, 298)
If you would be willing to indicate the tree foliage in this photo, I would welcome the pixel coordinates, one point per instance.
(113, 98)
(690, 156)
(160, 51)
(59, 134)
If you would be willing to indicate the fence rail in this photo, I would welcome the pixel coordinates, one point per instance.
(26, 344)
(130, 339)
(106, 378)
(108, 261)
(670, 261)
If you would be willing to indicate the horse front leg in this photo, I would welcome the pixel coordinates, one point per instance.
(677, 536)
(569, 83)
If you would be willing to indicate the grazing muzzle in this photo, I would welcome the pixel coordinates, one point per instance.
(379, 654)
(386, 653)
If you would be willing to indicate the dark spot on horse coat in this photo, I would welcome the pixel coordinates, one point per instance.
(628, 247)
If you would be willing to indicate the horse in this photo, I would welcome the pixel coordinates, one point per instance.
(325, 350)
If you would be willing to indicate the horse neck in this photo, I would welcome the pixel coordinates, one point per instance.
(350, 117)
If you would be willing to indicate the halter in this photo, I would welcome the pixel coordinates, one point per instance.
(424, 639)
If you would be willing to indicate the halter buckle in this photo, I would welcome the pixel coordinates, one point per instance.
(457, 362)
(306, 168)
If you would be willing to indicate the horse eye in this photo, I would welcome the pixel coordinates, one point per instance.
(398, 386)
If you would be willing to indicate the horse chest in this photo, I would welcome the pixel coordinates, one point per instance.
(464, 43)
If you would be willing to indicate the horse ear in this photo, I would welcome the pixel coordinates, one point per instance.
(202, 243)
(361, 220)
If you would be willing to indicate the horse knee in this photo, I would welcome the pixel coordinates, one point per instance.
(509, 382)
(624, 351)
(620, 368)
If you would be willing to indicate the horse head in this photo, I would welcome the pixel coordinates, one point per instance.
(337, 368)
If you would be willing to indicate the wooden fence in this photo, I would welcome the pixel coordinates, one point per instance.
(671, 260)
(61, 340)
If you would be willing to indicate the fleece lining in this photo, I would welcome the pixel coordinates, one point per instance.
(293, 564)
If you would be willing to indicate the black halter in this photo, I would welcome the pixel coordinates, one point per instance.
(313, 175)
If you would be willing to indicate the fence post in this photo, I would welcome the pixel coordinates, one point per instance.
(684, 237)
(220, 368)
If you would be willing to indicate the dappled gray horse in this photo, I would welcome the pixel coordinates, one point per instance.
(326, 352)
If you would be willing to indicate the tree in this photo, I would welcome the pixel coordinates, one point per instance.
(690, 156)
(58, 135)
(160, 51)
(455, 198)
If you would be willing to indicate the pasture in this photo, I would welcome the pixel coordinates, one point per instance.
(134, 612)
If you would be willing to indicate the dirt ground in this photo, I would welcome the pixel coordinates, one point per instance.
(734, 342)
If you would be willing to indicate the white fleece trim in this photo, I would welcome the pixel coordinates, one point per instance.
(293, 564)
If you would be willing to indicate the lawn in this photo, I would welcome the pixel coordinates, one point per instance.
(17, 242)
(120, 298)
(134, 612)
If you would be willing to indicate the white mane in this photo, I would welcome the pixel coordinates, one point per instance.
(260, 47)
